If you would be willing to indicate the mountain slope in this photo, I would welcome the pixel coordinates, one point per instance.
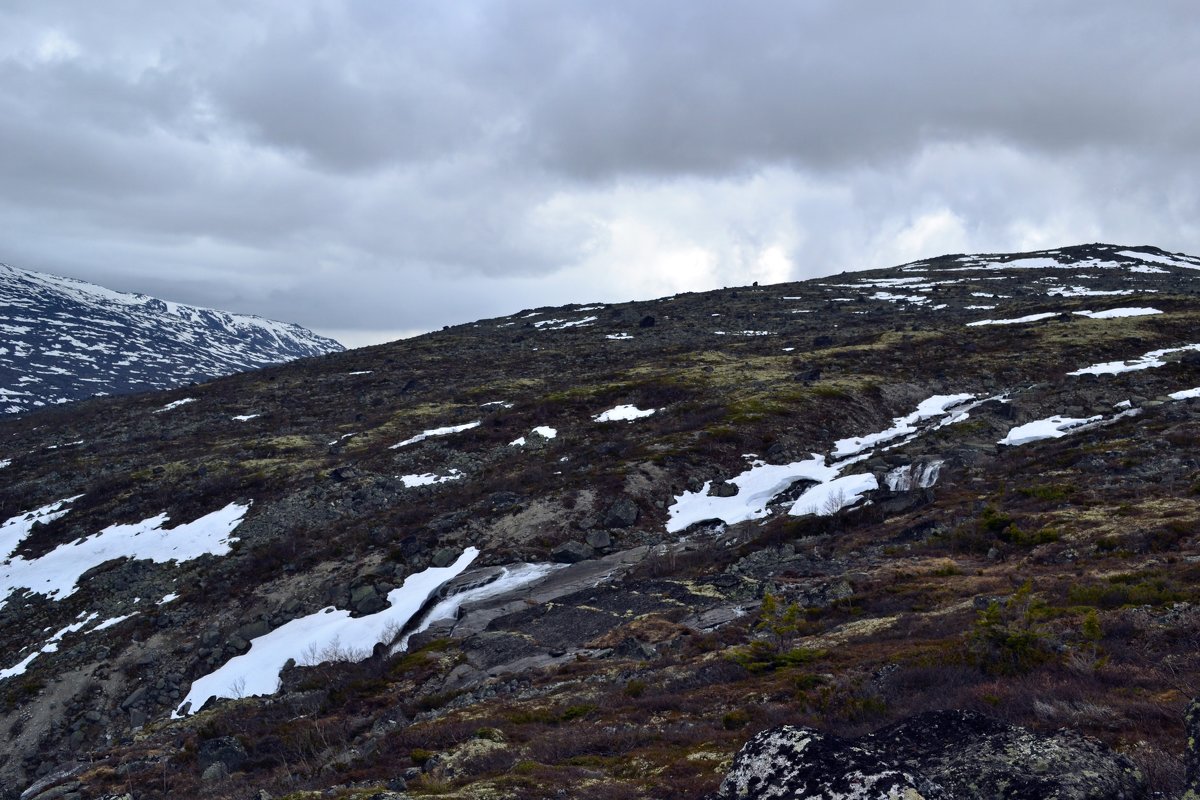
(65, 339)
(475, 563)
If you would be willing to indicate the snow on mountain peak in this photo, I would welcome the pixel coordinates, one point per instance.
(64, 339)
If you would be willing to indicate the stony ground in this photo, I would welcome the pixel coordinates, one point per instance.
(1050, 584)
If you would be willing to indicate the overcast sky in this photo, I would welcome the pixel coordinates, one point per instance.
(370, 169)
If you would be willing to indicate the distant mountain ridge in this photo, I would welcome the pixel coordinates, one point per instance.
(63, 339)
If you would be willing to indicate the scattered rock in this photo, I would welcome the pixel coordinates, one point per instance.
(622, 513)
(135, 697)
(215, 773)
(599, 539)
(366, 599)
(225, 750)
(571, 552)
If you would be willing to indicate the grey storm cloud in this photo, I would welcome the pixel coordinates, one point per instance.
(433, 162)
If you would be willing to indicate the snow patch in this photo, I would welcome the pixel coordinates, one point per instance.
(512, 577)
(625, 412)
(1151, 360)
(757, 487)
(429, 479)
(14, 530)
(108, 623)
(175, 404)
(936, 406)
(1049, 428)
(826, 499)
(562, 324)
(1116, 313)
(1018, 320)
(56, 573)
(1174, 261)
(1083, 291)
(423, 435)
(329, 634)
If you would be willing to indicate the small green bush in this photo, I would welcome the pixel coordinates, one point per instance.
(1008, 639)
(736, 719)
(1050, 492)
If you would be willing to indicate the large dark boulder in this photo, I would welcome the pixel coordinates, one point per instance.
(225, 750)
(621, 513)
(955, 755)
(571, 552)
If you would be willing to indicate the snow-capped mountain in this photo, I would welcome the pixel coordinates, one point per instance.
(63, 339)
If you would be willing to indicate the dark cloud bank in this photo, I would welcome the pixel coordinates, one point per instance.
(372, 168)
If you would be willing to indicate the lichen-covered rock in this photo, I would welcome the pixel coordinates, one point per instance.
(976, 756)
(794, 763)
(956, 755)
(1191, 752)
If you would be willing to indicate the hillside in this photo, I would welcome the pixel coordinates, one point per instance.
(65, 339)
(590, 551)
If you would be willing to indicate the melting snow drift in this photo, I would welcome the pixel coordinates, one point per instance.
(56, 573)
(329, 634)
(1049, 428)
(423, 435)
(626, 412)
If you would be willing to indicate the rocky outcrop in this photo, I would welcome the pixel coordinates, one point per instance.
(937, 755)
(1191, 753)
